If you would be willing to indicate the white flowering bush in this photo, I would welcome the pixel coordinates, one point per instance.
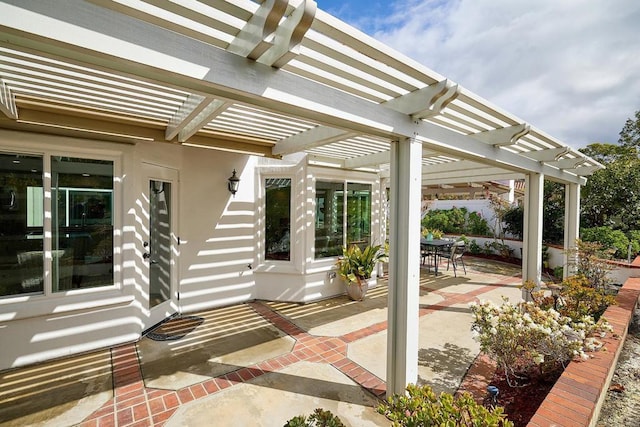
(523, 336)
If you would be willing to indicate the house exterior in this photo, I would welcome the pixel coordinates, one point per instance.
(121, 126)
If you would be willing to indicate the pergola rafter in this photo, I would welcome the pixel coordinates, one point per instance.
(354, 84)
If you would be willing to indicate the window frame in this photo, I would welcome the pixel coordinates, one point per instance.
(345, 177)
(46, 302)
(290, 266)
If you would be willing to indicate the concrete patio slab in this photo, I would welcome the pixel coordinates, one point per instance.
(57, 393)
(280, 396)
(229, 338)
(258, 363)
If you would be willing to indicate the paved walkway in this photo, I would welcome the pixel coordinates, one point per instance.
(260, 363)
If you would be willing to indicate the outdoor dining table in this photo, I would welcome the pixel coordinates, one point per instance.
(438, 246)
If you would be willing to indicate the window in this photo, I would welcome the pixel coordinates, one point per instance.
(82, 238)
(278, 219)
(336, 226)
(358, 214)
(81, 226)
(21, 219)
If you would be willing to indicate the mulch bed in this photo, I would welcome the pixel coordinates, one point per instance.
(520, 403)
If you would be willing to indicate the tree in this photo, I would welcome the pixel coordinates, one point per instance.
(630, 133)
(552, 215)
(611, 196)
(553, 212)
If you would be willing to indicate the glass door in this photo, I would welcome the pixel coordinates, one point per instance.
(160, 244)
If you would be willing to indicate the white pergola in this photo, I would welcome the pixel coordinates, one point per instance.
(274, 78)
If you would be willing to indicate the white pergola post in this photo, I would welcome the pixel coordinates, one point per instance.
(571, 227)
(532, 238)
(404, 265)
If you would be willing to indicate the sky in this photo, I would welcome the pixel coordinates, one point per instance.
(571, 68)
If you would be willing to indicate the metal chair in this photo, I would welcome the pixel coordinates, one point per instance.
(455, 256)
(426, 254)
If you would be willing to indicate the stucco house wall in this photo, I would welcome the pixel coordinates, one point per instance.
(218, 247)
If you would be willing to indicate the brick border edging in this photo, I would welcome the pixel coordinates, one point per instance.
(578, 395)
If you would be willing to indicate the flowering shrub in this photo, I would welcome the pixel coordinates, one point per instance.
(522, 336)
(420, 406)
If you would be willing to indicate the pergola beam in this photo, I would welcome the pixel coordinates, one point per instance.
(457, 178)
(425, 102)
(375, 159)
(257, 36)
(7, 101)
(314, 137)
(568, 163)
(194, 113)
(549, 155)
(289, 34)
(504, 136)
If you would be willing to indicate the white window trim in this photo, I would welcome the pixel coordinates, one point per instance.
(318, 173)
(277, 266)
(48, 302)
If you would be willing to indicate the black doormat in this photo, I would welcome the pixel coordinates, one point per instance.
(174, 328)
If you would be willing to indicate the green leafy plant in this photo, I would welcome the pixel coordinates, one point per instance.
(477, 225)
(474, 247)
(448, 220)
(420, 406)
(606, 237)
(435, 233)
(356, 265)
(558, 272)
(319, 418)
(514, 221)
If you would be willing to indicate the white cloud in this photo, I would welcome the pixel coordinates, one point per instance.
(569, 67)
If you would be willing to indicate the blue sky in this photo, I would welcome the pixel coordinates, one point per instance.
(569, 67)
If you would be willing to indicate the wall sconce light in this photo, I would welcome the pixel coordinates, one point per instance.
(234, 183)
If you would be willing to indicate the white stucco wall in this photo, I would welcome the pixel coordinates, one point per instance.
(218, 260)
(34, 328)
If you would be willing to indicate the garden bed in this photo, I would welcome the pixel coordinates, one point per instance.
(578, 392)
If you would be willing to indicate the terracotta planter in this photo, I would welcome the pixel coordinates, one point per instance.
(358, 290)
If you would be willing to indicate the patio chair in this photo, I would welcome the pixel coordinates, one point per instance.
(455, 256)
(427, 254)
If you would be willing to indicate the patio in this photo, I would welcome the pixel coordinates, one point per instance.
(261, 361)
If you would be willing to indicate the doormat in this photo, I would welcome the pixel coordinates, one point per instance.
(174, 328)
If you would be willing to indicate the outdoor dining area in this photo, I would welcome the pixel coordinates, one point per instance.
(433, 252)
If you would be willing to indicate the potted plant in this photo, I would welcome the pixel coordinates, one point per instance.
(431, 233)
(356, 265)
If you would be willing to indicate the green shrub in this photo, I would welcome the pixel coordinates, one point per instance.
(477, 225)
(514, 221)
(448, 220)
(634, 239)
(474, 247)
(607, 238)
(319, 418)
(420, 406)
(558, 272)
